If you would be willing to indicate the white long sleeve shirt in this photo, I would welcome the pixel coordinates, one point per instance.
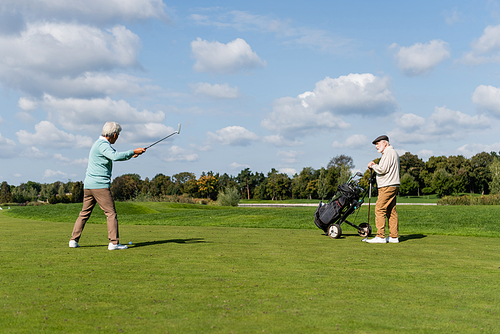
(388, 169)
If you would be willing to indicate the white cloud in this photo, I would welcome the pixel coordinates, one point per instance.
(216, 91)
(323, 108)
(470, 150)
(238, 166)
(278, 140)
(421, 58)
(77, 114)
(47, 56)
(176, 153)
(288, 170)
(47, 135)
(289, 156)
(452, 17)
(410, 121)
(34, 152)
(8, 147)
(49, 173)
(25, 117)
(27, 104)
(233, 135)
(316, 39)
(425, 154)
(443, 123)
(354, 141)
(94, 11)
(216, 57)
(447, 121)
(487, 98)
(486, 49)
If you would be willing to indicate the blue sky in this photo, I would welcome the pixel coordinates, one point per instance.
(257, 84)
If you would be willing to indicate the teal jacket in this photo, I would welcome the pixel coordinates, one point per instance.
(101, 158)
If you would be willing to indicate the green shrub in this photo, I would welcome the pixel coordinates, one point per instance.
(470, 200)
(228, 197)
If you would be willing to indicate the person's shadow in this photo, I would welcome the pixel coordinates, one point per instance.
(403, 238)
(157, 242)
(168, 241)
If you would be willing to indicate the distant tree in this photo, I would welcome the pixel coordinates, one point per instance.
(5, 194)
(207, 186)
(47, 191)
(300, 183)
(77, 192)
(413, 165)
(495, 176)
(408, 185)
(339, 161)
(163, 185)
(442, 182)
(124, 188)
(480, 172)
(227, 182)
(184, 182)
(278, 186)
(322, 184)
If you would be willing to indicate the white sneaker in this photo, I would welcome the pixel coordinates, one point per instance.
(112, 246)
(393, 240)
(377, 240)
(73, 244)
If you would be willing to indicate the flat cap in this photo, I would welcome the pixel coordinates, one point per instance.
(379, 138)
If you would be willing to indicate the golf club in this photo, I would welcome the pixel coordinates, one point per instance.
(369, 198)
(173, 133)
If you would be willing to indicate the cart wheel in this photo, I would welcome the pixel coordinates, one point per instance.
(365, 230)
(334, 231)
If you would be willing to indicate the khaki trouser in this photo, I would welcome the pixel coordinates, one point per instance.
(105, 200)
(386, 207)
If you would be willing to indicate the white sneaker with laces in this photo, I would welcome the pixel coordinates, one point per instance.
(73, 244)
(112, 246)
(377, 240)
(393, 240)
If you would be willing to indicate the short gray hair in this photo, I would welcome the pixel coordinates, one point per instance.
(110, 128)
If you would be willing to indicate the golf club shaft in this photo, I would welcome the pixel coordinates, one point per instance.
(170, 135)
(370, 194)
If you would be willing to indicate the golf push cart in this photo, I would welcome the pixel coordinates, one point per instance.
(329, 216)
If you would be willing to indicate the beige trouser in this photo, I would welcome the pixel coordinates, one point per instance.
(105, 200)
(386, 207)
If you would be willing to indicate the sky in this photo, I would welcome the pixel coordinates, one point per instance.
(254, 84)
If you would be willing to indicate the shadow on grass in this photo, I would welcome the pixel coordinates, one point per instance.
(402, 238)
(168, 241)
(156, 242)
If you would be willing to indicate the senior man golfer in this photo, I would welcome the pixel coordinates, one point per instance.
(388, 187)
(96, 187)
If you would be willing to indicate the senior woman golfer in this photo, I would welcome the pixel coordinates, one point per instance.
(96, 187)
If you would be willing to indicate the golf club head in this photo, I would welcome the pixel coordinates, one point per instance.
(179, 129)
(359, 174)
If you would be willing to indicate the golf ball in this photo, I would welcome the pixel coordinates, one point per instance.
(130, 243)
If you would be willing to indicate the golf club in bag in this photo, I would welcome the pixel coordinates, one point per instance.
(369, 196)
(329, 216)
(170, 135)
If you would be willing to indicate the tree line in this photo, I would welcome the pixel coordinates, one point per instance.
(439, 175)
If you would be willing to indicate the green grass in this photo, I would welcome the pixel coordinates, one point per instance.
(220, 279)
(401, 199)
(479, 221)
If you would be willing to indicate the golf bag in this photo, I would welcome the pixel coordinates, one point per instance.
(329, 216)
